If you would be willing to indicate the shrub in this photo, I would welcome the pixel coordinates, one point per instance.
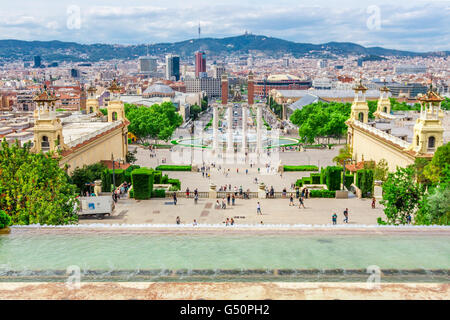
(322, 194)
(142, 180)
(348, 180)
(300, 168)
(157, 176)
(159, 193)
(165, 179)
(119, 176)
(333, 177)
(306, 180)
(365, 182)
(5, 219)
(315, 178)
(106, 181)
(173, 188)
(175, 183)
(173, 168)
(299, 183)
(127, 172)
(131, 193)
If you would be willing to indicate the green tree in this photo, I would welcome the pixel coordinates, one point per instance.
(401, 195)
(345, 153)
(381, 170)
(434, 171)
(195, 111)
(321, 120)
(155, 122)
(435, 207)
(33, 188)
(5, 220)
(131, 156)
(86, 174)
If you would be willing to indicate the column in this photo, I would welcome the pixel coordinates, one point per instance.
(230, 147)
(215, 124)
(244, 127)
(259, 128)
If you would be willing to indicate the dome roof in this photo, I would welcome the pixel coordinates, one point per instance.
(158, 87)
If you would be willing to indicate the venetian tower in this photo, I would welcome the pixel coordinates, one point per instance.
(428, 130)
(384, 104)
(116, 109)
(360, 108)
(47, 127)
(92, 105)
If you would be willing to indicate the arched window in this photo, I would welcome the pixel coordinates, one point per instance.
(91, 110)
(45, 145)
(58, 142)
(431, 143)
(385, 109)
(417, 140)
(114, 116)
(361, 117)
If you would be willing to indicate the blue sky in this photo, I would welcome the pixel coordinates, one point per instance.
(408, 25)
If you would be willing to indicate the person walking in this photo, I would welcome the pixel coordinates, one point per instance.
(233, 199)
(228, 199)
(297, 193)
(187, 192)
(373, 202)
(301, 203)
(174, 198)
(258, 208)
(178, 221)
(334, 218)
(291, 200)
(196, 198)
(224, 206)
(346, 215)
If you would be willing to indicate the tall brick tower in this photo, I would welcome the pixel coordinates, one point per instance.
(250, 89)
(224, 89)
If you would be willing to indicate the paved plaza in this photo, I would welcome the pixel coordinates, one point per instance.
(274, 211)
(192, 180)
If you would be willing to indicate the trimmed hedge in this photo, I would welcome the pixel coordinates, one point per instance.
(157, 177)
(131, 193)
(365, 182)
(142, 180)
(159, 193)
(169, 167)
(175, 183)
(127, 172)
(299, 183)
(106, 181)
(333, 177)
(322, 194)
(306, 180)
(348, 180)
(165, 179)
(315, 178)
(300, 168)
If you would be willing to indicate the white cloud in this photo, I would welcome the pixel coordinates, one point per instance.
(407, 25)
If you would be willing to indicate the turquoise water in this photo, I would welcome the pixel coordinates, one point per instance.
(267, 142)
(108, 251)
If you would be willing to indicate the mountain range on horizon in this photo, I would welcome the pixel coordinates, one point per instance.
(56, 51)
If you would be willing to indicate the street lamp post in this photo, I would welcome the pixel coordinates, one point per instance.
(114, 173)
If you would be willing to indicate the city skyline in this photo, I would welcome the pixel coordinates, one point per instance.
(408, 25)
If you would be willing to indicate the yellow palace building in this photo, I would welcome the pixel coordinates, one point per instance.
(399, 139)
(81, 139)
